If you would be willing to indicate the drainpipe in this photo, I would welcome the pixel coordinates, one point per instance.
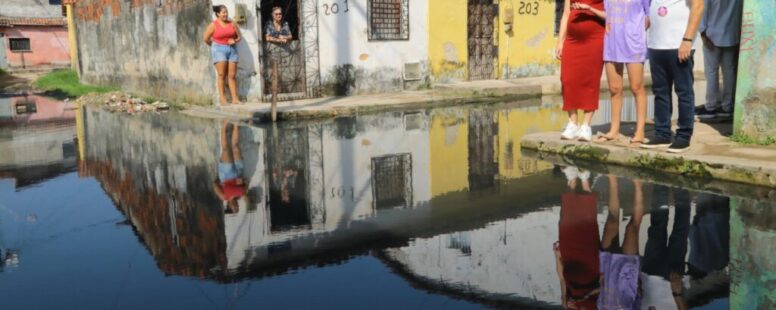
(71, 36)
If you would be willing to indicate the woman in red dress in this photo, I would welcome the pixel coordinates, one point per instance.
(580, 50)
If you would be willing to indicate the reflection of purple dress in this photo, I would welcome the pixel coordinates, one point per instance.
(626, 39)
(620, 286)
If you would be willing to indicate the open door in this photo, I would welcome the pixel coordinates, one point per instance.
(289, 57)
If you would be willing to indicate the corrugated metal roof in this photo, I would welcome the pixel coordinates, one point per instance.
(27, 21)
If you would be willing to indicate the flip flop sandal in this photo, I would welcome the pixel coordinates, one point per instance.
(603, 139)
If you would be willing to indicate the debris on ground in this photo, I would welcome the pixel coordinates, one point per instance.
(122, 102)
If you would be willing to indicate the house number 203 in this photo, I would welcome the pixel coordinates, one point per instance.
(528, 8)
(334, 8)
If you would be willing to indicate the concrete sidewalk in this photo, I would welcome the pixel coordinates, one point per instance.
(712, 155)
(467, 92)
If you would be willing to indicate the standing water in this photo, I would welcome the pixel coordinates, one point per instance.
(432, 208)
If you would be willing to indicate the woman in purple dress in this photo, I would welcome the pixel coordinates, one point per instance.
(625, 46)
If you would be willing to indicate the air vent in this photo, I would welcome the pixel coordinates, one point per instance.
(412, 71)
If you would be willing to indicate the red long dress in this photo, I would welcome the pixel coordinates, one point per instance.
(582, 60)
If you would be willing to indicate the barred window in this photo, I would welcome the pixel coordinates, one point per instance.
(19, 44)
(388, 20)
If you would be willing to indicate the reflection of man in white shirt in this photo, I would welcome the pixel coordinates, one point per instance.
(721, 32)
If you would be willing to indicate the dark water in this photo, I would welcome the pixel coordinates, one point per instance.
(422, 209)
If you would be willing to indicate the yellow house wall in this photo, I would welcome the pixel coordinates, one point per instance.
(527, 50)
(449, 152)
(448, 49)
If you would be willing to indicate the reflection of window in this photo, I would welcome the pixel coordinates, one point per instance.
(389, 20)
(392, 181)
(460, 241)
(68, 150)
(19, 44)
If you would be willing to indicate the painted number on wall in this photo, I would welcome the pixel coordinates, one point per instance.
(343, 193)
(335, 8)
(528, 8)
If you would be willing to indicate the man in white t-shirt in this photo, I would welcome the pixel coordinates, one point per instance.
(673, 29)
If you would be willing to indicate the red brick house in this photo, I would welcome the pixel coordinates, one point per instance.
(33, 33)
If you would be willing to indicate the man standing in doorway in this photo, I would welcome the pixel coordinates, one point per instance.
(721, 32)
(673, 29)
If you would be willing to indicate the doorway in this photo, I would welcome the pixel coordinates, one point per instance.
(481, 45)
(289, 57)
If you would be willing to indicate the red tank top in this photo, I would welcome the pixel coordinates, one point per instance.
(223, 33)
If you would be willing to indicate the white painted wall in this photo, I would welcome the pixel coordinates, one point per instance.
(344, 39)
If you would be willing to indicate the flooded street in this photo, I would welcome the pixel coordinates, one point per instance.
(430, 208)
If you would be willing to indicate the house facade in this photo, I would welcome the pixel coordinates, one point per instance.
(492, 39)
(339, 47)
(33, 34)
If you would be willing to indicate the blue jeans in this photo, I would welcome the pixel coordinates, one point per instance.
(667, 73)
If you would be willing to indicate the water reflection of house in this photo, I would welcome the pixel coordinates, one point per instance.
(37, 136)
(484, 144)
(357, 182)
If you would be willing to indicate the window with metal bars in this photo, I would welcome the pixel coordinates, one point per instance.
(19, 44)
(388, 20)
(392, 181)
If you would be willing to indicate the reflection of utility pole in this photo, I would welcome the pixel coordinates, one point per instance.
(274, 90)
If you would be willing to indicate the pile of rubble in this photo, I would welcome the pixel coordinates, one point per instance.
(121, 102)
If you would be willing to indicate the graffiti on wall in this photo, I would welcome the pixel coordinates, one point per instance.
(755, 111)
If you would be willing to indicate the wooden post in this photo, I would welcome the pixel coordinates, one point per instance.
(274, 90)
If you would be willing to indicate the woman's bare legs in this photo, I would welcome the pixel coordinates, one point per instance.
(612, 226)
(588, 118)
(636, 78)
(225, 158)
(221, 68)
(232, 76)
(614, 79)
(630, 245)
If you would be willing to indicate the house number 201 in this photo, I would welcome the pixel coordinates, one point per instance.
(334, 8)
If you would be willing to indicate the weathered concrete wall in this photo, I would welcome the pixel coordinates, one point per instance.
(147, 47)
(448, 51)
(755, 111)
(351, 63)
(49, 46)
(753, 280)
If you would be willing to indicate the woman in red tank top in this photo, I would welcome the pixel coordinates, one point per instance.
(222, 35)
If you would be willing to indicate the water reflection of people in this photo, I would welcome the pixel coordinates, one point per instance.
(230, 186)
(620, 263)
(664, 255)
(576, 251)
(709, 235)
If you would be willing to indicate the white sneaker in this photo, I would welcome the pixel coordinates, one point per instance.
(571, 173)
(585, 133)
(571, 131)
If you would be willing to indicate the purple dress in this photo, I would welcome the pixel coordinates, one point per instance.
(620, 281)
(626, 37)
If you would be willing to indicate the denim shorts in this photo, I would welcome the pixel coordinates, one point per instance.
(222, 53)
(230, 171)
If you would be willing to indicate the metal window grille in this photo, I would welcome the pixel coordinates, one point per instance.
(392, 181)
(389, 19)
(19, 44)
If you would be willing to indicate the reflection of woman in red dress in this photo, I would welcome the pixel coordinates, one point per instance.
(580, 50)
(576, 251)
